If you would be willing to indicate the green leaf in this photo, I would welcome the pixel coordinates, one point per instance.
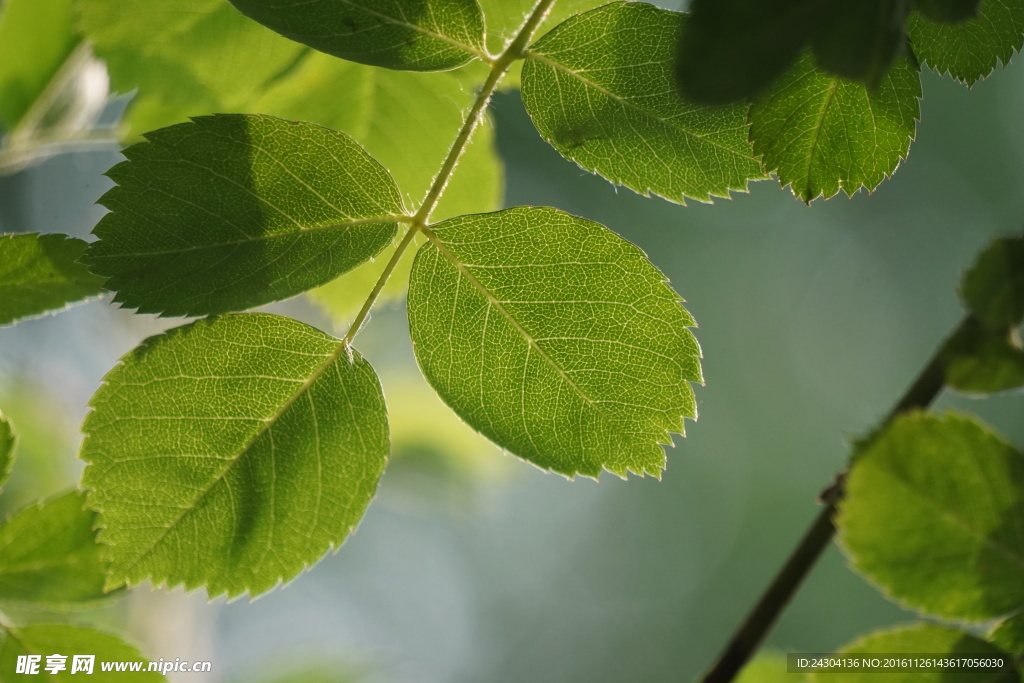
(36, 38)
(600, 89)
(232, 453)
(948, 11)
(413, 35)
(50, 639)
(731, 50)
(234, 211)
(555, 338)
(49, 554)
(860, 39)
(185, 57)
(934, 514)
(39, 273)
(979, 360)
(993, 287)
(820, 133)
(407, 122)
(921, 639)
(7, 441)
(1008, 635)
(970, 50)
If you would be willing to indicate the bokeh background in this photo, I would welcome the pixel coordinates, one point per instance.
(474, 566)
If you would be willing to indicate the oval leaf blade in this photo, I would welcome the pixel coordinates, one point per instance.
(49, 555)
(411, 35)
(232, 452)
(39, 273)
(970, 50)
(555, 338)
(600, 88)
(234, 211)
(820, 133)
(993, 287)
(934, 514)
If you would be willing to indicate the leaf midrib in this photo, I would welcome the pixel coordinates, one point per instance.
(530, 54)
(476, 52)
(268, 424)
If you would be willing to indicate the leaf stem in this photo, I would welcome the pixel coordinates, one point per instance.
(747, 639)
(420, 220)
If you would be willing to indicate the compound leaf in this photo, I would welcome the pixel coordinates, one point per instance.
(820, 133)
(920, 639)
(36, 38)
(934, 514)
(970, 50)
(413, 35)
(39, 273)
(993, 287)
(49, 554)
(44, 640)
(7, 441)
(185, 57)
(555, 338)
(600, 89)
(232, 452)
(234, 211)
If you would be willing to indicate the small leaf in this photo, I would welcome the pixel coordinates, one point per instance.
(929, 639)
(413, 35)
(820, 133)
(983, 361)
(232, 453)
(184, 57)
(860, 39)
(555, 338)
(948, 11)
(731, 50)
(60, 639)
(7, 441)
(970, 50)
(49, 555)
(39, 273)
(600, 89)
(36, 38)
(934, 514)
(993, 287)
(1008, 635)
(234, 211)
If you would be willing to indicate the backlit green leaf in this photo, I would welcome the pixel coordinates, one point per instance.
(948, 11)
(232, 453)
(1008, 635)
(39, 273)
(185, 57)
(48, 639)
(993, 287)
(921, 639)
(600, 89)
(970, 50)
(234, 211)
(406, 121)
(555, 338)
(49, 554)
(414, 35)
(979, 360)
(820, 133)
(504, 18)
(934, 514)
(7, 441)
(731, 50)
(36, 37)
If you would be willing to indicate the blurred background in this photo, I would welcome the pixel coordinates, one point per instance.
(472, 565)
